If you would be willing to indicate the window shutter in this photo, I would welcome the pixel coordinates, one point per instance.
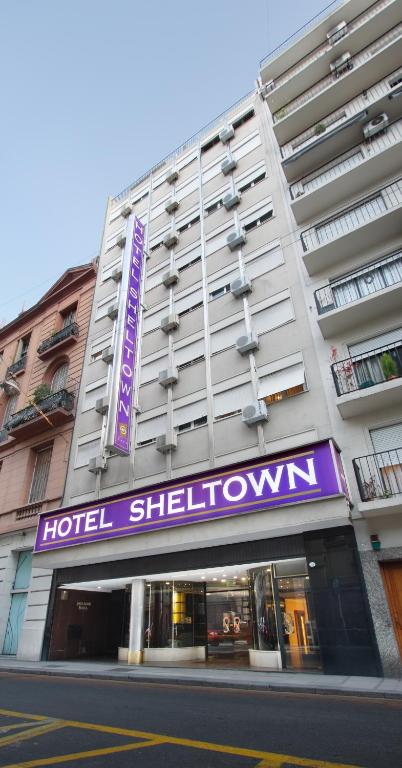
(189, 412)
(60, 377)
(281, 380)
(387, 438)
(148, 430)
(40, 475)
(391, 337)
(232, 399)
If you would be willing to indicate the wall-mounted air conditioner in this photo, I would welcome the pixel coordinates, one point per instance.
(170, 322)
(171, 277)
(255, 413)
(97, 464)
(171, 175)
(341, 65)
(240, 286)
(376, 125)
(235, 239)
(247, 343)
(108, 355)
(228, 165)
(113, 311)
(126, 210)
(336, 33)
(168, 376)
(226, 134)
(171, 205)
(166, 443)
(170, 239)
(102, 405)
(116, 274)
(231, 200)
(121, 240)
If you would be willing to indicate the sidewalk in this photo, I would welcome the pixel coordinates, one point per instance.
(372, 687)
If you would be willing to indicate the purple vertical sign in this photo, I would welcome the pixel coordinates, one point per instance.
(125, 359)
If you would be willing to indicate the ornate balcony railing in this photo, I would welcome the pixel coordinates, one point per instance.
(56, 338)
(30, 510)
(350, 219)
(379, 475)
(359, 284)
(62, 399)
(17, 367)
(368, 369)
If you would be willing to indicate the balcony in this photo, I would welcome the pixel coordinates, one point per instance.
(370, 381)
(379, 479)
(361, 296)
(52, 411)
(18, 367)
(368, 222)
(332, 91)
(359, 32)
(348, 174)
(58, 341)
(341, 129)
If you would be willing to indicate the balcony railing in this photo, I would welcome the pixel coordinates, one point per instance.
(379, 475)
(30, 510)
(372, 367)
(326, 46)
(347, 161)
(17, 367)
(352, 111)
(56, 338)
(325, 82)
(62, 399)
(353, 217)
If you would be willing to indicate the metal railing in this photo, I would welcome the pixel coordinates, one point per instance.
(359, 284)
(354, 62)
(371, 367)
(17, 367)
(347, 161)
(55, 338)
(355, 216)
(379, 475)
(62, 399)
(30, 510)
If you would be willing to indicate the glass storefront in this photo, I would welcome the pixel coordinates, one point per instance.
(174, 615)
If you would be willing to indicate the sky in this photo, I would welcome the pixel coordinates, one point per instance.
(94, 93)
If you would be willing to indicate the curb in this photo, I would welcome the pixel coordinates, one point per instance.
(191, 682)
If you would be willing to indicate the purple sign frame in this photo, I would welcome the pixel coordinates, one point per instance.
(300, 476)
(118, 437)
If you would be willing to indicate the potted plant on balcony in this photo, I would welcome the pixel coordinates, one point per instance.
(41, 392)
(319, 128)
(388, 366)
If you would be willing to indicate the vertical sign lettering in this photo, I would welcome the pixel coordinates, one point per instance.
(118, 437)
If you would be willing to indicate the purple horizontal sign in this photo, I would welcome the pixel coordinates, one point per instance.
(301, 476)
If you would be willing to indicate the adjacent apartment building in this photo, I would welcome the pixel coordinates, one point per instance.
(41, 359)
(223, 329)
(334, 97)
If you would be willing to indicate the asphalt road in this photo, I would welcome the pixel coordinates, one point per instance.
(102, 724)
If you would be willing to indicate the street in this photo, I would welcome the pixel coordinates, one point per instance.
(56, 721)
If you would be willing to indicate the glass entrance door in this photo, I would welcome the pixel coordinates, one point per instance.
(295, 615)
(229, 623)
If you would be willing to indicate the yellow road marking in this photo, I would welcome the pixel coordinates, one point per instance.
(81, 755)
(6, 728)
(11, 713)
(54, 725)
(271, 759)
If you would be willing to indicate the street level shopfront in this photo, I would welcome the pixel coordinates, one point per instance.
(267, 574)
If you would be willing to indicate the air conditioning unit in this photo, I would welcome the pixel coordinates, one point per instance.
(168, 376)
(126, 210)
(395, 84)
(231, 200)
(228, 165)
(336, 33)
(166, 443)
(170, 239)
(240, 286)
(226, 134)
(247, 343)
(341, 65)
(171, 205)
(108, 355)
(235, 239)
(170, 322)
(121, 240)
(256, 413)
(116, 274)
(113, 311)
(97, 464)
(171, 277)
(267, 88)
(171, 175)
(376, 125)
(102, 405)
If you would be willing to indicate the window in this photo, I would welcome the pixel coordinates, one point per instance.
(232, 400)
(94, 392)
(40, 475)
(218, 292)
(189, 354)
(107, 270)
(68, 316)
(257, 222)
(59, 380)
(155, 247)
(263, 261)
(244, 186)
(148, 431)
(272, 317)
(190, 309)
(244, 119)
(182, 263)
(212, 207)
(211, 143)
(23, 347)
(188, 224)
(278, 396)
(104, 304)
(87, 448)
(189, 302)
(192, 424)
(189, 414)
(98, 345)
(11, 407)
